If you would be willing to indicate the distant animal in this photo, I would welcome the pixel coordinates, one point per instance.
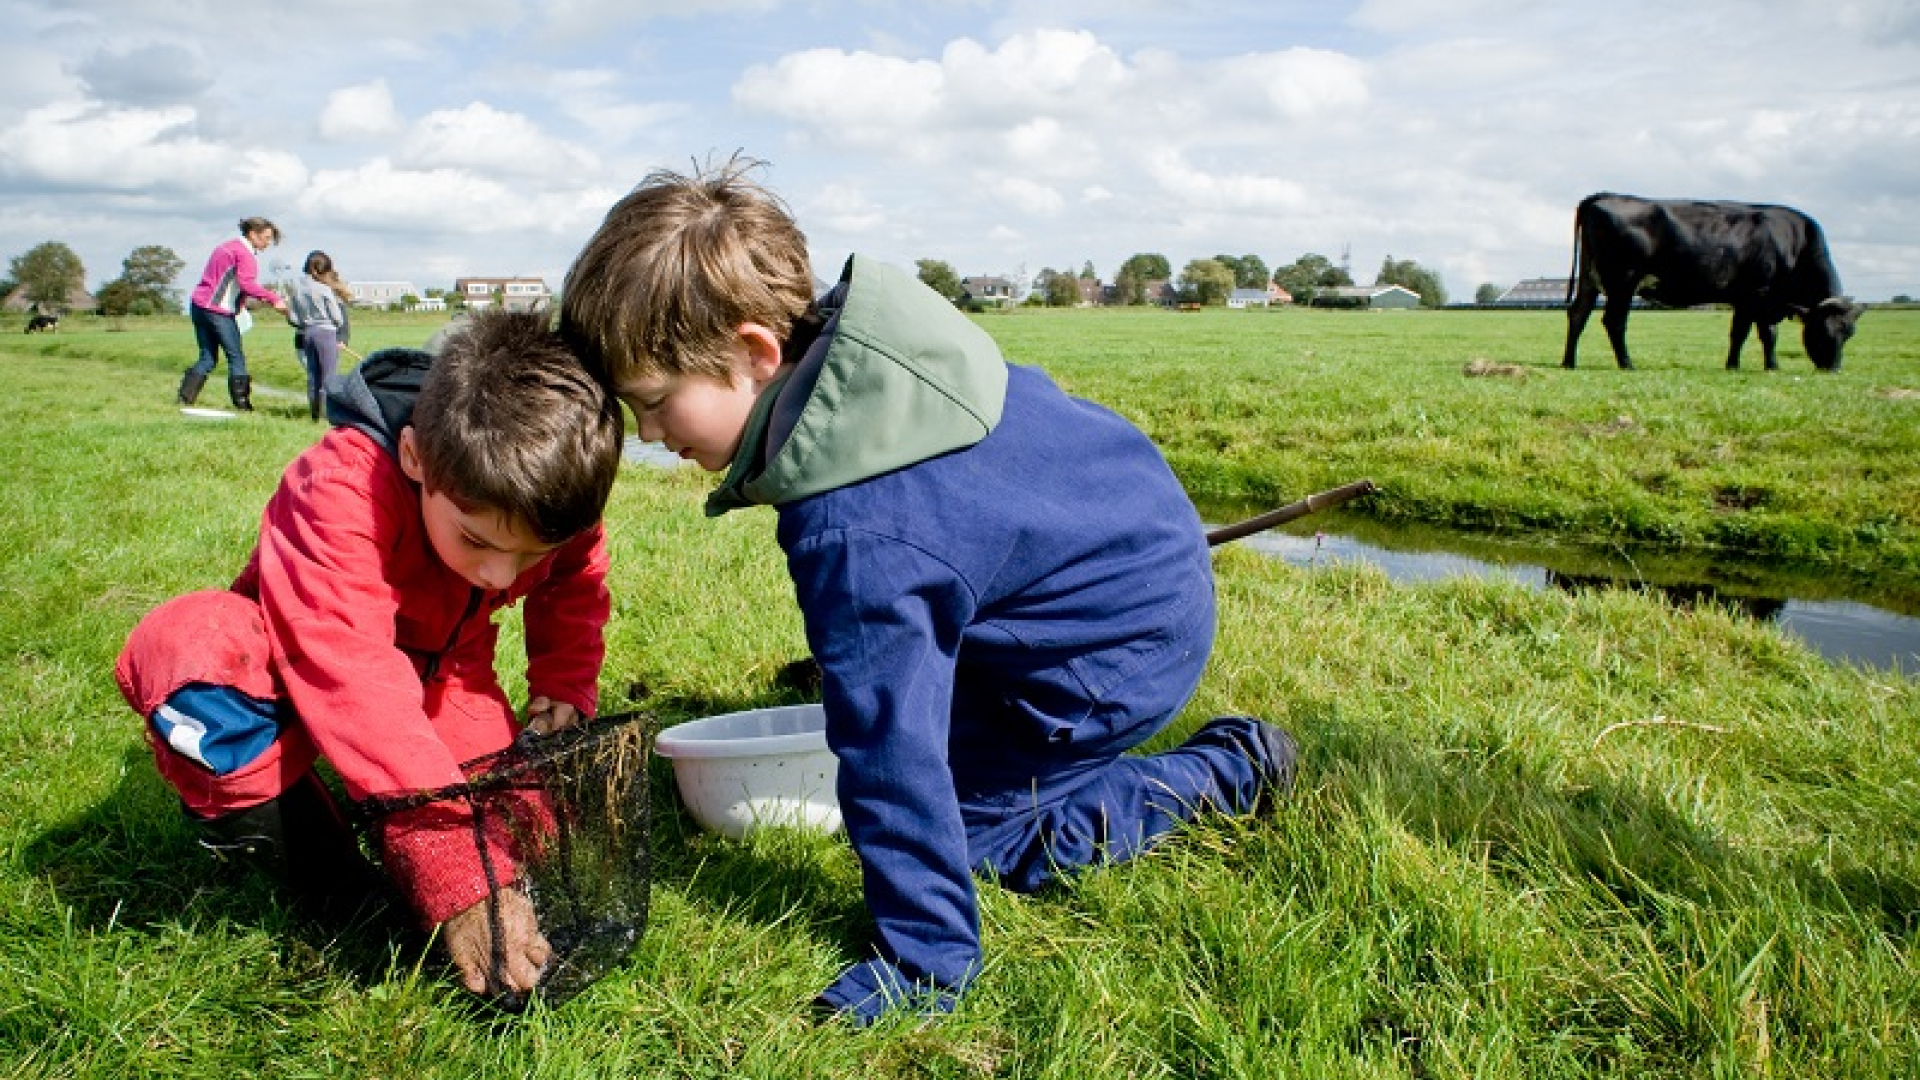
(42, 323)
(1769, 262)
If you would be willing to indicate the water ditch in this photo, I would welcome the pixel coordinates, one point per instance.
(1845, 621)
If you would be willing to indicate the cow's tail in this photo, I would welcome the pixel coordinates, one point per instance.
(1579, 227)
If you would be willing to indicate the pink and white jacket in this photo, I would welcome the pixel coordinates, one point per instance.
(231, 273)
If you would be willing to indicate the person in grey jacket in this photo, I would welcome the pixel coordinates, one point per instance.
(317, 310)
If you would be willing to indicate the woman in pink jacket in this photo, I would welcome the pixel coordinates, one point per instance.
(228, 282)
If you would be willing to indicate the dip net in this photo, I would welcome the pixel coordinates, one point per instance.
(563, 817)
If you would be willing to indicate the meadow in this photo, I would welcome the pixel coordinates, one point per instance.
(1538, 834)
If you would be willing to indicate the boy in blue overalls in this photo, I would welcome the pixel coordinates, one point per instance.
(1006, 588)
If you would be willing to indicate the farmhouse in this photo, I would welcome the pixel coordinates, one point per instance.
(78, 299)
(516, 293)
(381, 294)
(1267, 297)
(1370, 296)
(987, 290)
(1538, 292)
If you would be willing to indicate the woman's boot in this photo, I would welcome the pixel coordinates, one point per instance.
(190, 385)
(241, 390)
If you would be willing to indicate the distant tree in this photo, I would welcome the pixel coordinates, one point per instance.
(145, 284)
(1134, 274)
(1487, 293)
(1056, 288)
(117, 298)
(408, 301)
(1086, 271)
(939, 277)
(1249, 271)
(1307, 275)
(50, 273)
(1412, 276)
(1206, 281)
(1902, 298)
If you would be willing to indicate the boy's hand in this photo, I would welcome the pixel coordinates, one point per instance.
(470, 944)
(546, 716)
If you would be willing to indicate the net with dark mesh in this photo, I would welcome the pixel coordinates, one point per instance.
(565, 818)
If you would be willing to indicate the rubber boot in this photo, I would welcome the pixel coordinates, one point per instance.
(241, 391)
(190, 385)
(301, 840)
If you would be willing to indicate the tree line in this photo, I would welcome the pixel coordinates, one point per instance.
(50, 274)
(1308, 279)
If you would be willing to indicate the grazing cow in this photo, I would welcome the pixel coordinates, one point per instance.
(40, 323)
(1769, 262)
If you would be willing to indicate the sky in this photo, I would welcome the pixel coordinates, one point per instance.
(424, 141)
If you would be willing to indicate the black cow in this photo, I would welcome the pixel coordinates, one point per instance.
(43, 322)
(1769, 262)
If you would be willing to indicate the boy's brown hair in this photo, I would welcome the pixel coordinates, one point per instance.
(509, 420)
(677, 266)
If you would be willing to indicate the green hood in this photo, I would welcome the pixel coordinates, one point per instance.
(897, 376)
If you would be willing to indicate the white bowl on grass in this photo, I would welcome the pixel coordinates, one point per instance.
(756, 768)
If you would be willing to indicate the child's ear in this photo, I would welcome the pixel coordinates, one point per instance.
(763, 351)
(410, 456)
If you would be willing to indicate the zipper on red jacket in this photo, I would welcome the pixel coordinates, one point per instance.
(474, 595)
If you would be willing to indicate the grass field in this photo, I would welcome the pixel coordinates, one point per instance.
(1538, 835)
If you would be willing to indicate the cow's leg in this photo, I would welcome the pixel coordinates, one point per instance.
(1737, 339)
(1577, 313)
(1619, 303)
(1769, 333)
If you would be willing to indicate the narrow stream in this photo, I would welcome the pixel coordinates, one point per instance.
(1845, 625)
(1848, 623)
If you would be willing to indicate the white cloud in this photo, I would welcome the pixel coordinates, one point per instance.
(479, 136)
(147, 75)
(845, 208)
(1300, 84)
(985, 133)
(593, 99)
(855, 97)
(1218, 189)
(427, 200)
(1028, 196)
(360, 113)
(1048, 70)
(89, 148)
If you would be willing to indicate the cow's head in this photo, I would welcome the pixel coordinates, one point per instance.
(1825, 328)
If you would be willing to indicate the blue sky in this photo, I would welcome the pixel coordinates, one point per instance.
(425, 141)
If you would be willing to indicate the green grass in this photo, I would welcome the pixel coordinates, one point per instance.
(1790, 467)
(1538, 834)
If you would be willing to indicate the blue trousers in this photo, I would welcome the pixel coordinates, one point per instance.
(1103, 807)
(216, 333)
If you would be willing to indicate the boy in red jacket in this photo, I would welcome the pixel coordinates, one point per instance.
(360, 630)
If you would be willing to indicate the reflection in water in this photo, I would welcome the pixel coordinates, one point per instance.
(1757, 608)
(1843, 631)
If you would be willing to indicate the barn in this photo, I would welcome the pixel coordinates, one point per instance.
(1372, 297)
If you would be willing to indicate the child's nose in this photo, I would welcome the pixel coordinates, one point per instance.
(498, 572)
(650, 429)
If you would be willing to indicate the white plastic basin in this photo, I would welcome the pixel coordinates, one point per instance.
(755, 768)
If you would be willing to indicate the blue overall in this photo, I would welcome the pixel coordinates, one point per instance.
(996, 627)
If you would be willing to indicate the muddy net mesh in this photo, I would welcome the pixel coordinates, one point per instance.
(565, 818)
